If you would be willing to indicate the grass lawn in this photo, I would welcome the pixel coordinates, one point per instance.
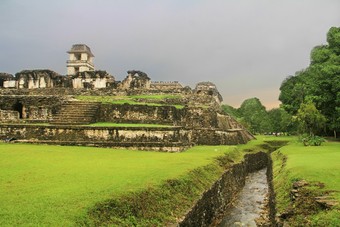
(55, 185)
(313, 164)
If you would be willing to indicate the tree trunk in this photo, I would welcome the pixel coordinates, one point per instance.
(334, 133)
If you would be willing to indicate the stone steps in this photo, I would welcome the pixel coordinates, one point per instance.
(76, 113)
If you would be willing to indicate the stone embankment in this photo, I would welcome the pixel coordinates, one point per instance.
(216, 201)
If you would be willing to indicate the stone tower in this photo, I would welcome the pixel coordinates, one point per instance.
(80, 59)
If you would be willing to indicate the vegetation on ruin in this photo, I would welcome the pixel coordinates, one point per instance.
(58, 185)
(319, 166)
(153, 100)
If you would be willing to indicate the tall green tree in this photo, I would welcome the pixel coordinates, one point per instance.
(231, 111)
(319, 83)
(280, 121)
(310, 119)
(255, 115)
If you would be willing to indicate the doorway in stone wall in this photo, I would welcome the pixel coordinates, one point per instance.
(19, 107)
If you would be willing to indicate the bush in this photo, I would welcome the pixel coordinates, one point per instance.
(312, 140)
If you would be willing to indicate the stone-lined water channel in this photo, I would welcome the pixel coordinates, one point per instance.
(250, 203)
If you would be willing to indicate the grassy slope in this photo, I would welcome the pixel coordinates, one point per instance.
(314, 164)
(53, 185)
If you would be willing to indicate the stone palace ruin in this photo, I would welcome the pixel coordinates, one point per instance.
(42, 106)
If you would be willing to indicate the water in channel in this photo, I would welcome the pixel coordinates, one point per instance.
(251, 202)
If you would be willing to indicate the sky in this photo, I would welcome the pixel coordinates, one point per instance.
(246, 47)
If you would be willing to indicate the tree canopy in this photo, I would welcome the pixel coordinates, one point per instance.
(254, 116)
(319, 83)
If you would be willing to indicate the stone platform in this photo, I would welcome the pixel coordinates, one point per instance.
(171, 139)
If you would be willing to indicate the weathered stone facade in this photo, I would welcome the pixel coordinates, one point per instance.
(135, 80)
(38, 79)
(80, 59)
(208, 89)
(165, 85)
(9, 116)
(32, 108)
(193, 126)
(92, 79)
(7, 80)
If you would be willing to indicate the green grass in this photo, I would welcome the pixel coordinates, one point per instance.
(156, 97)
(111, 124)
(56, 185)
(313, 164)
(66, 186)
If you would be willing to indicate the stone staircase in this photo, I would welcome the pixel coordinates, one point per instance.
(76, 113)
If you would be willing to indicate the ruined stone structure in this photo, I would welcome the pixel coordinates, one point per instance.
(208, 89)
(187, 126)
(38, 79)
(44, 96)
(7, 80)
(9, 116)
(80, 59)
(165, 85)
(92, 79)
(135, 80)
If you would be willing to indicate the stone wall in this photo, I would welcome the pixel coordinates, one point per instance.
(135, 80)
(219, 137)
(36, 108)
(83, 133)
(92, 80)
(38, 79)
(139, 114)
(165, 85)
(215, 201)
(132, 137)
(166, 139)
(9, 116)
(7, 80)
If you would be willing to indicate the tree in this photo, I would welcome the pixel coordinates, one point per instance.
(280, 120)
(310, 119)
(318, 83)
(231, 111)
(255, 115)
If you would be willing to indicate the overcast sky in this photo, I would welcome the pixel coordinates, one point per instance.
(246, 47)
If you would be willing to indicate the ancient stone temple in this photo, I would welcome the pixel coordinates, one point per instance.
(80, 59)
(63, 109)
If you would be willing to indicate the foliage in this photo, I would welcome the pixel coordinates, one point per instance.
(231, 111)
(255, 114)
(310, 119)
(280, 121)
(312, 140)
(318, 83)
(315, 164)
